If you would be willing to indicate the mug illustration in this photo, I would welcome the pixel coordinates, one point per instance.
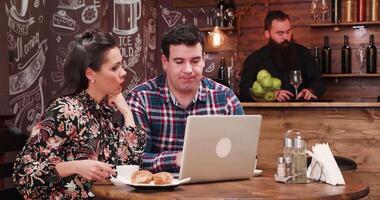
(126, 15)
(19, 19)
(19, 7)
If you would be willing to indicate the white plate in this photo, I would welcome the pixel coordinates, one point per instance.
(151, 185)
(257, 172)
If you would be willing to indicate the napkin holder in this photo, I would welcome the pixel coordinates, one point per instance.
(323, 167)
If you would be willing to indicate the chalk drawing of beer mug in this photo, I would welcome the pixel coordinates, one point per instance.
(125, 15)
(20, 7)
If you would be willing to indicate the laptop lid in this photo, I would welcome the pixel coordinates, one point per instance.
(220, 147)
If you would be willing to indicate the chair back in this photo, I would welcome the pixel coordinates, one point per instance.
(11, 139)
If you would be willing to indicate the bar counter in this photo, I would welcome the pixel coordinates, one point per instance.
(312, 104)
(351, 129)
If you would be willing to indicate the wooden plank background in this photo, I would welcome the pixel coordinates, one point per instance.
(249, 37)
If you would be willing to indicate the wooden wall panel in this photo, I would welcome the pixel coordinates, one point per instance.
(251, 38)
(357, 89)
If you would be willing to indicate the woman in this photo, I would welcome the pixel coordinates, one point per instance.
(78, 140)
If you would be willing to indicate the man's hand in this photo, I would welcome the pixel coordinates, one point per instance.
(306, 94)
(283, 95)
(178, 159)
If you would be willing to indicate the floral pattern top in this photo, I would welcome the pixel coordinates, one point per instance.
(74, 127)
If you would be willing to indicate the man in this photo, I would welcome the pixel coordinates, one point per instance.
(279, 57)
(161, 105)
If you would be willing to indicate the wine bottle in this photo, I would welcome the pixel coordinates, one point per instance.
(229, 15)
(336, 11)
(222, 71)
(373, 10)
(361, 10)
(317, 57)
(371, 54)
(348, 11)
(326, 56)
(220, 19)
(346, 56)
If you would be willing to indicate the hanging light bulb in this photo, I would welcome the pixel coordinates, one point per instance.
(216, 37)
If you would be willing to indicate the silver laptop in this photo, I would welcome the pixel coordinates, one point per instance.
(220, 147)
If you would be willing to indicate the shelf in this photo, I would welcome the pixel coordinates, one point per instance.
(346, 24)
(220, 28)
(349, 75)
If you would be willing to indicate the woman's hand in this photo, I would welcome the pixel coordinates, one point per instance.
(121, 104)
(88, 169)
(118, 101)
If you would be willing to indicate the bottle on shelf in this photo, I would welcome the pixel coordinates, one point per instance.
(373, 10)
(346, 56)
(219, 14)
(317, 57)
(229, 15)
(336, 11)
(361, 10)
(230, 73)
(348, 10)
(223, 72)
(371, 54)
(326, 56)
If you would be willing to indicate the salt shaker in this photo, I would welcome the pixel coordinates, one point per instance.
(281, 167)
(288, 166)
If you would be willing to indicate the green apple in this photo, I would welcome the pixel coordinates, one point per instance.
(257, 90)
(262, 75)
(269, 96)
(276, 83)
(266, 82)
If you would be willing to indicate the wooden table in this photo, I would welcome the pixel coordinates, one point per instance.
(352, 130)
(262, 187)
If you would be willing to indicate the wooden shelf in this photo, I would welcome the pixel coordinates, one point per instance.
(350, 75)
(222, 29)
(346, 24)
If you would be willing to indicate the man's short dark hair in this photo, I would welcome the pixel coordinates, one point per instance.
(188, 35)
(274, 15)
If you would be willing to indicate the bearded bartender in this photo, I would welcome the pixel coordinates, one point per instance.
(279, 56)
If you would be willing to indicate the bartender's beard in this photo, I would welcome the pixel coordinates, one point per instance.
(285, 54)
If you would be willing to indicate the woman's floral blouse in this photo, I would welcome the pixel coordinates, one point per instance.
(73, 128)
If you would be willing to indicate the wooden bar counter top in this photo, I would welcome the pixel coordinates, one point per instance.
(352, 130)
(262, 187)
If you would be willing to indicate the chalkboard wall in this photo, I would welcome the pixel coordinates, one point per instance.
(40, 36)
(4, 86)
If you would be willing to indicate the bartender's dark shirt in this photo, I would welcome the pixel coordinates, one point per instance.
(264, 59)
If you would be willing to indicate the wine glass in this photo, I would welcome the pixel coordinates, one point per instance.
(360, 55)
(314, 10)
(324, 9)
(295, 79)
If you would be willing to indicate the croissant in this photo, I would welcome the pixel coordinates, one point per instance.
(162, 178)
(142, 176)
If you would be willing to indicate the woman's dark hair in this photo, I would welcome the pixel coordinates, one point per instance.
(181, 34)
(274, 15)
(88, 51)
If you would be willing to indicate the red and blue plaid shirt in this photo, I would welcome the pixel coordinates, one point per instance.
(156, 110)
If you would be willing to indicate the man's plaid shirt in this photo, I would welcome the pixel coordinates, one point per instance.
(155, 109)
